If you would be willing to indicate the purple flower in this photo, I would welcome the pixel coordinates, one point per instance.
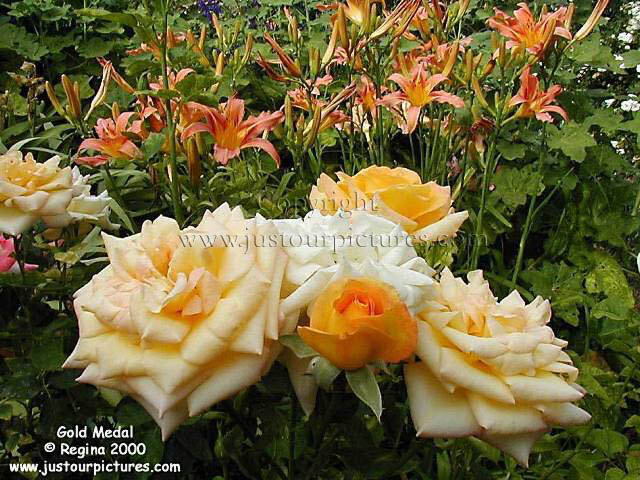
(207, 7)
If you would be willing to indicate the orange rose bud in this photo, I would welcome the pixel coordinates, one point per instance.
(356, 321)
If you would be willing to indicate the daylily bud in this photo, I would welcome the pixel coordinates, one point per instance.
(400, 18)
(288, 113)
(591, 22)
(568, 18)
(247, 49)
(489, 67)
(479, 92)
(219, 30)
(191, 40)
(287, 62)
(341, 21)
(73, 97)
(200, 143)
(314, 61)
(115, 110)
(54, 99)
(366, 22)
(331, 48)
(453, 56)
(193, 161)
(312, 130)
(300, 130)
(220, 64)
(101, 94)
(203, 37)
(469, 67)
(236, 31)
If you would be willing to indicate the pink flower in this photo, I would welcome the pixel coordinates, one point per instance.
(8, 262)
(112, 141)
(232, 133)
(535, 102)
(418, 90)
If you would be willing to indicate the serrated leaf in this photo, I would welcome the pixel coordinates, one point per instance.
(365, 387)
(297, 346)
(95, 47)
(511, 150)
(573, 139)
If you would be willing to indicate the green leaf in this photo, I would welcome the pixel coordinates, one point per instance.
(631, 59)
(297, 346)
(511, 150)
(324, 372)
(608, 442)
(102, 14)
(573, 139)
(47, 354)
(153, 145)
(608, 120)
(95, 47)
(364, 385)
(514, 185)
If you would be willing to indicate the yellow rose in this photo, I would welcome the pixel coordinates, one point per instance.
(30, 191)
(182, 319)
(489, 369)
(355, 321)
(398, 194)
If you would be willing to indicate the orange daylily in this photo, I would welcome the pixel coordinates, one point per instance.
(418, 91)
(232, 133)
(155, 48)
(112, 141)
(355, 10)
(526, 33)
(356, 321)
(535, 102)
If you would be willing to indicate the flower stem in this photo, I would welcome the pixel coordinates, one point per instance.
(174, 181)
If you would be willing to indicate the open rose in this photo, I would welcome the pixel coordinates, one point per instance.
(355, 321)
(181, 319)
(490, 369)
(360, 282)
(30, 191)
(423, 210)
(8, 261)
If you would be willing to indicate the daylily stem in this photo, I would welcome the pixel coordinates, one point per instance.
(174, 181)
(114, 192)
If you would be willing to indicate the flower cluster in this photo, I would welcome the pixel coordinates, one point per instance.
(184, 318)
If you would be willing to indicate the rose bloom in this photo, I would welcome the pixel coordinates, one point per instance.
(398, 194)
(355, 321)
(369, 263)
(490, 369)
(30, 191)
(8, 262)
(179, 320)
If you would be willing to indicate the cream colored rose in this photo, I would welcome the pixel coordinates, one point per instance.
(398, 194)
(30, 191)
(488, 369)
(85, 208)
(182, 319)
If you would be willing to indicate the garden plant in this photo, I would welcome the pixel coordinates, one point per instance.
(367, 239)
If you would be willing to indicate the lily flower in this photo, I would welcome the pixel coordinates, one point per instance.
(232, 133)
(528, 34)
(112, 142)
(418, 90)
(535, 102)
